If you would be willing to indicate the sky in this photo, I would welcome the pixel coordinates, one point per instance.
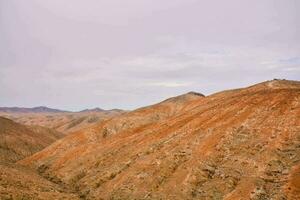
(75, 54)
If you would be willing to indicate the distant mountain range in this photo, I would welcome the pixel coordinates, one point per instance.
(40, 109)
(44, 109)
(93, 110)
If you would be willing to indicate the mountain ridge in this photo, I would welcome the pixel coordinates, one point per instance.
(38, 109)
(229, 145)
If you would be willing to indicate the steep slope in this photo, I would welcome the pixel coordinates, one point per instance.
(19, 141)
(235, 144)
(17, 182)
(147, 115)
(127, 122)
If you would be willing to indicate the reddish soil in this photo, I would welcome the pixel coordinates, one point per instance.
(236, 144)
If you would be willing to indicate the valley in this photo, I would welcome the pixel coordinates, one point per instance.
(235, 144)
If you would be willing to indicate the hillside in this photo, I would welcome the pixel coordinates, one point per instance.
(17, 182)
(65, 122)
(19, 141)
(235, 144)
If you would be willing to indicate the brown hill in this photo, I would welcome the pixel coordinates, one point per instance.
(17, 182)
(19, 141)
(236, 144)
(65, 122)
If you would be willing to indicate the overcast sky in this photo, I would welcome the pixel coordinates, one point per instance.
(76, 54)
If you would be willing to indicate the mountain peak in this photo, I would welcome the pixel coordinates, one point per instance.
(184, 97)
(195, 93)
(283, 83)
(278, 84)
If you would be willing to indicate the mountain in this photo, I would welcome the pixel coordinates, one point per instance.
(93, 110)
(19, 141)
(236, 144)
(44, 109)
(96, 110)
(40, 109)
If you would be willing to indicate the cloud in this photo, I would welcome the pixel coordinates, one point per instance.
(169, 84)
(292, 60)
(114, 54)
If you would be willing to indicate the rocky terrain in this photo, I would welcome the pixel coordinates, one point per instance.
(235, 144)
(17, 182)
